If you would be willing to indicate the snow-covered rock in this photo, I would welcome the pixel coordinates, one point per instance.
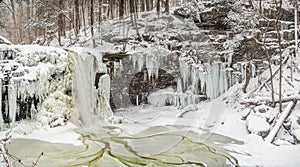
(257, 125)
(267, 112)
(162, 97)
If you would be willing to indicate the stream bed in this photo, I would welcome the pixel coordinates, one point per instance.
(155, 146)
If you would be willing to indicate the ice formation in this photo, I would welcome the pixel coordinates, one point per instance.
(36, 80)
(91, 97)
(196, 81)
(162, 97)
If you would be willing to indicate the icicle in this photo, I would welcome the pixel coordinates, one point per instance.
(12, 100)
(137, 100)
(149, 66)
(145, 75)
(1, 115)
(185, 72)
(104, 96)
(33, 111)
(133, 60)
(253, 70)
(221, 79)
(140, 62)
(104, 86)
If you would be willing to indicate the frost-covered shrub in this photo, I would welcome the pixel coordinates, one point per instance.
(56, 110)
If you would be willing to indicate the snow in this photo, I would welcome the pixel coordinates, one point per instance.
(162, 97)
(4, 40)
(61, 134)
(282, 118)
(257, 125)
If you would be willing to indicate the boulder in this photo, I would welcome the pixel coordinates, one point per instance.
(257, 125)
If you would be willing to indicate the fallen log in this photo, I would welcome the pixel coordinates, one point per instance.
(267, 101)
(283, 116)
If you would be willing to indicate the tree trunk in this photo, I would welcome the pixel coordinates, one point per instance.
(83, 18)
(284, 115)
(143, 5)
(270, 68)
(77, 18)
(296, 29)
(148, 5)
(15, 29)
(121, 9)
(277, 26)
(167, 9)
(131, 10)
(135, 21)
(92, 23)
(158, 7)
(248, 77)
(60, 22)
(268, 101)
(28, 7)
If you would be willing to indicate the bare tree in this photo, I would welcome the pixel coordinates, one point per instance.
(60, 22)
(92, 23)
(296, 28)
(77, 18)
(167, 9)
(121, 8)
(158, 7)
(277, 27)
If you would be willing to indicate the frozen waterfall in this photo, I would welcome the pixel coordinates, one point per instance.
(91, 99)
(35, 80)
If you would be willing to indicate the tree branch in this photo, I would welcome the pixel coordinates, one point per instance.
(269, 101)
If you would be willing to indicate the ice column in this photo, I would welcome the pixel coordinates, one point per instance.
(104, 96)
(12, 102)
(83, 87)
(1, 116)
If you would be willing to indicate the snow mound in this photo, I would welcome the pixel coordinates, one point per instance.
(257, 125)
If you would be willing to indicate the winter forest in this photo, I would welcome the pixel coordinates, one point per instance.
(160, 83)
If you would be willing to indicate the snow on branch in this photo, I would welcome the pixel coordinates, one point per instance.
(268, 100)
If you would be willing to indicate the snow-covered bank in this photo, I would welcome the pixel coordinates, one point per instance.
(63, 134)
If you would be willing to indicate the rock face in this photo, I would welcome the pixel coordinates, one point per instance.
(214, 19)
(140, 85)
(136, 76)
